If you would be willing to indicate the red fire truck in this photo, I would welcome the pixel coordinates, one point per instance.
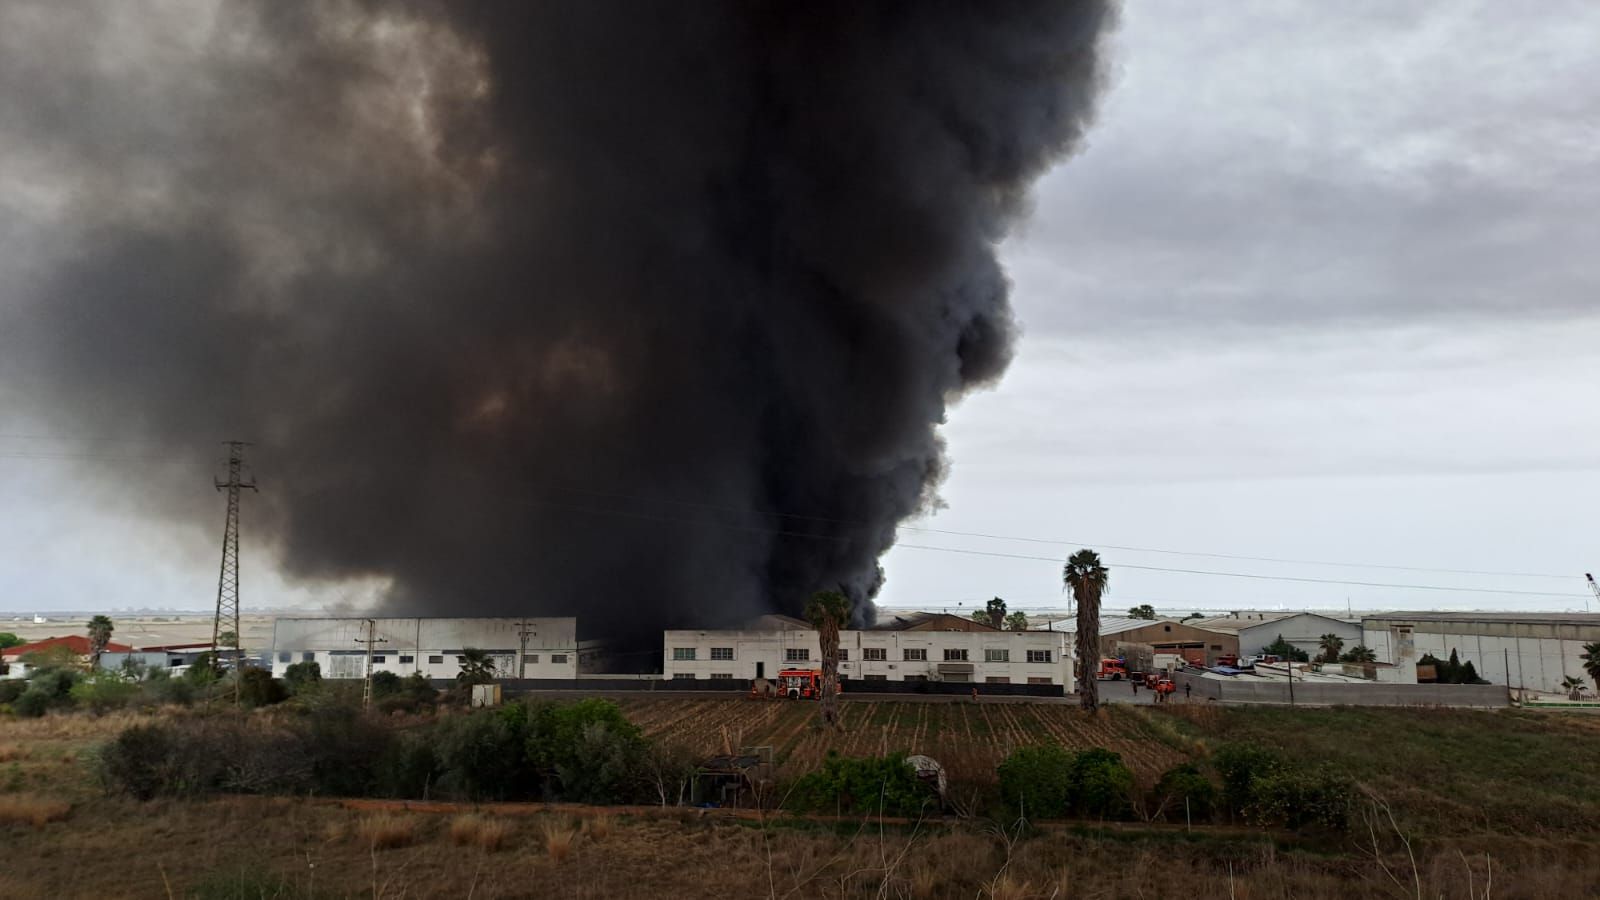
(802, 684)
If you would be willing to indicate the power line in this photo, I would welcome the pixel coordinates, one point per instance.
(1418, 587)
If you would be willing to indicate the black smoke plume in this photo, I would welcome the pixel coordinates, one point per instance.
(646, 312)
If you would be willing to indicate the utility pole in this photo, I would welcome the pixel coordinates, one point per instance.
(1593, 589)
(525, 630)
(371, 638)
(228, 580)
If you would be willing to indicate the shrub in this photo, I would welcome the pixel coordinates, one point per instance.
(1184, 788)
(412, 694)
(1302, 799)
(345, 749)
(594, 752)
(303, 676)
(385, 684)
(872, 784)
(385, 831)
(409, 768)
(157, 760)
(1102, 785)
(257, 687)
(481, 753)
(103, 692)
(161, 687)
(1036, 781)
(11, 689)
(50, 689)
(1240, 765)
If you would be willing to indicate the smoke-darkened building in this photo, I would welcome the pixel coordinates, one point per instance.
(519, 647)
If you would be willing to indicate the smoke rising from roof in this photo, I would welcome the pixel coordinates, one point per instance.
(644, 312)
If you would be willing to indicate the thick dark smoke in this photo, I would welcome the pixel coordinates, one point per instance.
(644, 312)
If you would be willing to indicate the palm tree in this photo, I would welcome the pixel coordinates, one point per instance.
(1088, 580)
(100, 628)
(1331, 645)
(827, 610)
(1591, 661)
(1017, 621)
(477, 667)
(997, 613)
(1573, 686)
(1360, 653)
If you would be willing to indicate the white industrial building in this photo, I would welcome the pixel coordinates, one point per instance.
(908, 649)
(520, 647)
(1526, 651)
(1302, 630)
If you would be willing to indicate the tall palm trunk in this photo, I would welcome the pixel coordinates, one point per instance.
(828, 637)
(1088, 647)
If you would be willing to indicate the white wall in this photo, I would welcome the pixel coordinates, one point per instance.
(1536, 664)
(769, 652)
(430, 646)
(1303, 631)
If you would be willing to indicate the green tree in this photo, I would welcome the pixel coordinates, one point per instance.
(1591, 662)
(996, 610)
(827, 611)
(1017, 621)
(1285, 650)
(7, 639)
(303, 676)
(1573, 686)
(1088, 580)
(1331, 645)
(477, 667)
(1360, 653)
(1142, 611)
(1036, 782)
(100, 628)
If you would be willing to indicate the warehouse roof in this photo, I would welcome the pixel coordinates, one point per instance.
(1531, 618)
(1234, 623)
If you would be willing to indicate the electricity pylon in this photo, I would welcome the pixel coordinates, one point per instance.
(228, 579)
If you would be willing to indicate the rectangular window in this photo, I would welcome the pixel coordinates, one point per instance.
(918, 655)
(955, 655)
(721, 676)
(378, 658)
(308, 656)
(877, 654)
(407, 660)
(876, 677)
(722, 653)
(533, 658)
(844, 656)
(683, 653)
(1040, 681)
(559, 659)
(997, 679)
(683, 676)
(1216, 646)
(1038, 656)
(1001, 655)
(285, 657)
(797, 654)
(436, 660)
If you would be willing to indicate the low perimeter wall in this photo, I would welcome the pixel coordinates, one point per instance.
(633, 683)
(1315, 694)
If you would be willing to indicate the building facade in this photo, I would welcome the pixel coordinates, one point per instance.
(1302, 630)
(983, 656)
(520, 647)
(1525, 651)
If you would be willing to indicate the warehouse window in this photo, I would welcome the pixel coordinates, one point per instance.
(1038, 656)
(877, 654)
(997, 679)
(721, 676)
(1040, 681)
(955, 655)
(683, 653)
(844, 655)
(407, 660)
(683, 676)
(1001, 655)
(558, 659)
(797, 654)
(918, 655)
(308, 656)
(724, 653)
(1216, 646)
(876, 677)
(285, 657)
(436, 660)
(378, 658)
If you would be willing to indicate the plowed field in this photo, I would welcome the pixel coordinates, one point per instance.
(969, 739)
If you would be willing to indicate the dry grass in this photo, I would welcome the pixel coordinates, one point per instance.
(490, 834)
(386, 831)
(598, 827)
(10, 752)
(23, 809)
(560, 834)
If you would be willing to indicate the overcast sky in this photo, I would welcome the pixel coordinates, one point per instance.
(1323, 286)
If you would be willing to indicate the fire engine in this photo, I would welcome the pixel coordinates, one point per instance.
(1113, 669)
(803, 684)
